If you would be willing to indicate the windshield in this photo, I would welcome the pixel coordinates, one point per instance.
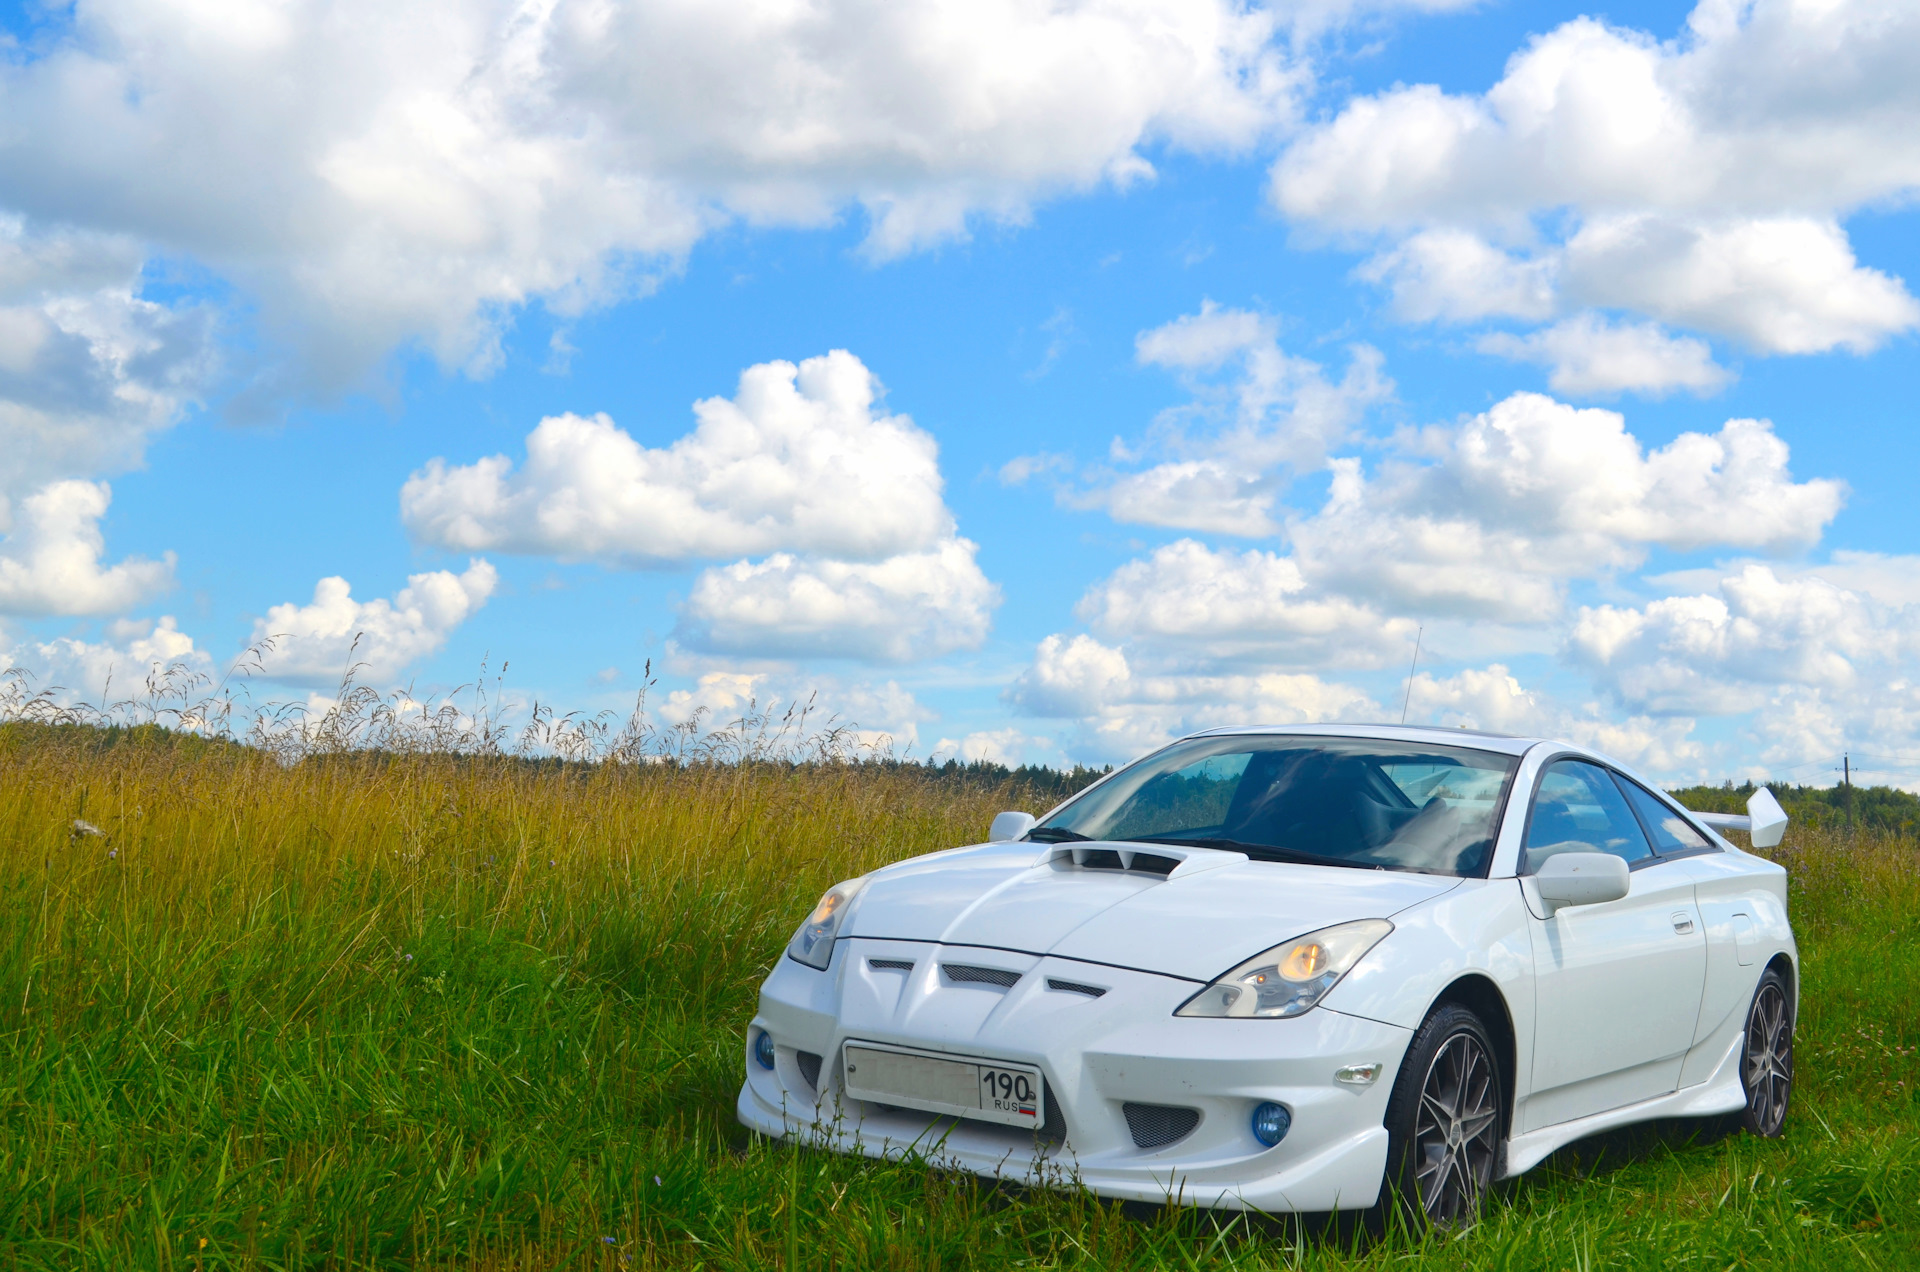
(1333, 801)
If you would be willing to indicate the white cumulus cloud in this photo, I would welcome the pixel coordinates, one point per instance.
(905, 608)
(50, 560)
(1729, 651)
(1454, 275)
(800, 459)
(1708, 180)
(314, 644)
(1779, 284)
(1591, 357)
(1120, 711)
(1493, 698)
(1258, 417)
(1534, 492)
(1817, 658)
(1250, 604)
(88, 369)
(1009, 746)
(786, 709)
(374, 174)
(132, 664)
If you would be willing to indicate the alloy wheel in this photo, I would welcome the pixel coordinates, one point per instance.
(1769, 1059)
(1456, 1131)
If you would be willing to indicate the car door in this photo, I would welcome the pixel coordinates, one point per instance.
(1617, 985)
(1723, 890)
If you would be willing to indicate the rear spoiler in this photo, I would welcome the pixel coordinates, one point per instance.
(1765, 821)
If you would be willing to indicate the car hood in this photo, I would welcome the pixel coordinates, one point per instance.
(1214, 910)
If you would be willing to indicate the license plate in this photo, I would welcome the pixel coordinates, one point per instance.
(989, 1090)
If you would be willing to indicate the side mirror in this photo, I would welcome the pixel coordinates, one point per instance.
(1766, 820)
(1581, 878)
(1010, 826)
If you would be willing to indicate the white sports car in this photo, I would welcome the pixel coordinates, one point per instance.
(1299, 969)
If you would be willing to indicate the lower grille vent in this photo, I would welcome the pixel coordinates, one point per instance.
(967, 974)
(1054, 1129)
(1074, 987)
(809, 1067)
(890, 964)
(1157, 1125)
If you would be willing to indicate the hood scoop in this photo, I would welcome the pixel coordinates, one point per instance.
(1158, 861)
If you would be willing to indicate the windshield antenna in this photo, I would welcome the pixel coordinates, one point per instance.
(1421, 631)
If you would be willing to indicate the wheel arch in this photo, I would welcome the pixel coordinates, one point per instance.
(1784, 964)
(1480, 995)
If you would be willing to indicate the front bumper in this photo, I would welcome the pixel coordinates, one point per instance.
(1098, 1054)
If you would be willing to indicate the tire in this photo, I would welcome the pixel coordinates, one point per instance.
(1444, 1122)
(1766, 1057)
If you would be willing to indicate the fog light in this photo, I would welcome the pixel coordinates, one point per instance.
(1271, 1123)
(763, 1051)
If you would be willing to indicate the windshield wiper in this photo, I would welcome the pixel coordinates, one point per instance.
(1258, 852)
(1057, 835)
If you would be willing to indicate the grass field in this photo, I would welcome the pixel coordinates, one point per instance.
(386, 1011)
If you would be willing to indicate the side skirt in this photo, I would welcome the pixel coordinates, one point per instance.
(1722, 1092)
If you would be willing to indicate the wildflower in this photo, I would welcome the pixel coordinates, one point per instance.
(609, 1240)
(112, 853)
(86, 828)
(657, 1183)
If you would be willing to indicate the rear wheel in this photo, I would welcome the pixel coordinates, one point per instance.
(1444, 1121)
(1767, 1059)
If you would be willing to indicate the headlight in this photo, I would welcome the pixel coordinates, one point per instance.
(813, 943)
(1289, 978)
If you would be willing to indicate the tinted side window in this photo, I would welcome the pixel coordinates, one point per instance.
(1669, 830)
(1579, 809)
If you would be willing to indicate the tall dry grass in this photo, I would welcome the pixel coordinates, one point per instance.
(337, 1006)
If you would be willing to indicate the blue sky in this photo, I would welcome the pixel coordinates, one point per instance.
(1197, 358)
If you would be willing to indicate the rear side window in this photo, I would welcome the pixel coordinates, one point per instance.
(1669, 829)
(1579, 809)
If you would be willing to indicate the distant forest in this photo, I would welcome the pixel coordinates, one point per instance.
(1045, 786)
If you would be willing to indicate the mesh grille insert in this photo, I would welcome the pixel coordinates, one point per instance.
(1155, 1125)
(967, 974)
(809, 1067)
(890, 964)
(1075, 987)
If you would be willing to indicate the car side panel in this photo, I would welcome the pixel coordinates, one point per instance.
(1478, 928)
(1742, 901)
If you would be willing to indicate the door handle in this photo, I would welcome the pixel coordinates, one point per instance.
(1682, 923)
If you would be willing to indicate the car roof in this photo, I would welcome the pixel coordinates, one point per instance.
(1478, 739)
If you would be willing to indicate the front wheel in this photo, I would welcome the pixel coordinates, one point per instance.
(1444, 1121)
(1767, 1058)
